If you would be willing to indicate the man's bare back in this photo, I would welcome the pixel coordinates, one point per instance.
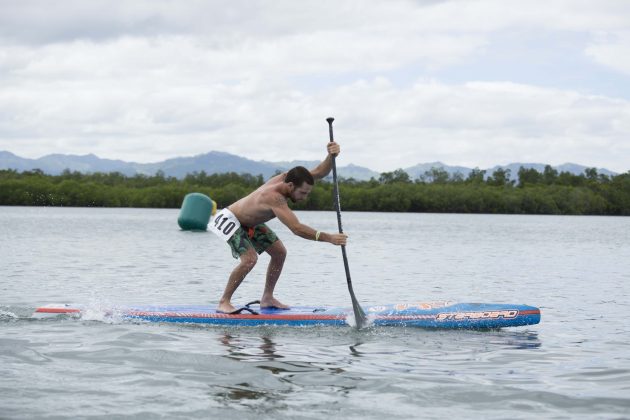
(256, 208)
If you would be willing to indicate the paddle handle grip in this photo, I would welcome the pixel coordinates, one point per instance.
(334, 171)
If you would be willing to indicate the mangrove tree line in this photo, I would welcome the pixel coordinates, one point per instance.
(547, 192)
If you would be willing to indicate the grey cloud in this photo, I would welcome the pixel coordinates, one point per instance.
(152, 79)
(42, 22)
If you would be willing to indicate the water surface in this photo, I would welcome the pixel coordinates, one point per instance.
(574, 364)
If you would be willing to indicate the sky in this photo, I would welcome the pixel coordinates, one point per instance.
(472, 83)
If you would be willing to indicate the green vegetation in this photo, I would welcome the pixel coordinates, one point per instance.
(547, 192)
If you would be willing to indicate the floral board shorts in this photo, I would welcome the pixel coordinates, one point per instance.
(259, 237)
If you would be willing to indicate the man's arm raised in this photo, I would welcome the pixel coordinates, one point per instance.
(290, 220)
(325, 166)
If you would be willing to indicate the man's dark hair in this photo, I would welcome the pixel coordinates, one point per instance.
(298, 176)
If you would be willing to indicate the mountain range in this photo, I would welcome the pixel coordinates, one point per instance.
(220, 162)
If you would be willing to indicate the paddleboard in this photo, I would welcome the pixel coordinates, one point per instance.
(443, 314)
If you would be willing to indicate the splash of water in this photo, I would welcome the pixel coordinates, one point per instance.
(7, 316)
(351, 321)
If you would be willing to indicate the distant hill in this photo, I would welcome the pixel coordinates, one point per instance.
(220, 162)
(212, 162)
(419, 169)
(55, 164)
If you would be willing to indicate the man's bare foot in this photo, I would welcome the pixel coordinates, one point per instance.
(225, 307)
(272, 303)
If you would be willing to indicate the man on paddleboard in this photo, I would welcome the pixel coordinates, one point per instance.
(242, 225)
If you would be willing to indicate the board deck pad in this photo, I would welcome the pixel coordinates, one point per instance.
(442, 314)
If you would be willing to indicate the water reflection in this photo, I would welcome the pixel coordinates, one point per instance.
(354, 350)
(242, 348)
(294, 367)
(288, 369)
(244, 392)
(518, 340)
(253, 348)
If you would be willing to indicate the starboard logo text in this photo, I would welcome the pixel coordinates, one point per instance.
(455, 316)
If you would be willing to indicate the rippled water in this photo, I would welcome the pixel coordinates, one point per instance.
(575, 364)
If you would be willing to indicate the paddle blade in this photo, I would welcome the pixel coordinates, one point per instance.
(359, 315)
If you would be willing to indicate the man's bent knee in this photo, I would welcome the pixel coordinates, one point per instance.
(249, 258)
(277, 251)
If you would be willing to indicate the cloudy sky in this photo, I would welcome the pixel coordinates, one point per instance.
(473, 83)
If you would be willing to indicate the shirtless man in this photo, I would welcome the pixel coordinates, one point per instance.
(253, 237)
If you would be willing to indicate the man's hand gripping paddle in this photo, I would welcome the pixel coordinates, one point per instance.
(359, 315)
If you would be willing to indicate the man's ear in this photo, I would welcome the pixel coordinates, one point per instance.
(291, 186)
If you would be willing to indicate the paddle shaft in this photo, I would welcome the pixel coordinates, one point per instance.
(359, 315)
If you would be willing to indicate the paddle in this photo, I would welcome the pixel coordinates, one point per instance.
(359, 315)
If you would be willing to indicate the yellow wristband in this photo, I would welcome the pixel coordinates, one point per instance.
(317, 235)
